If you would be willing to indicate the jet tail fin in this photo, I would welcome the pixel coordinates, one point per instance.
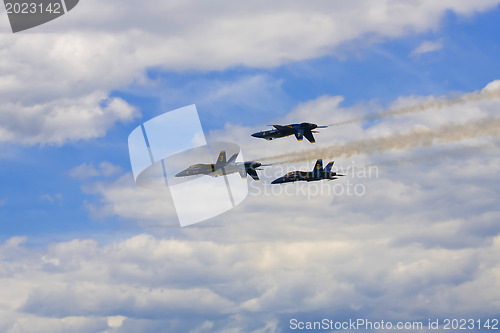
(318, 168)
(221, 160)
(329, 166)
(233, 158)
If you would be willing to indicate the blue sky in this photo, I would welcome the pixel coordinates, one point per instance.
(68, 202)
(378, 73)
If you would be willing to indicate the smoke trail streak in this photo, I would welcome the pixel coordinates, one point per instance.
(485, 94)
(440, 154)
(489, 126)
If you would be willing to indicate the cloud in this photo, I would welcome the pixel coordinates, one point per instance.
(228, 34)
(420, 136)
(359, 130)
(62, 120)
(100, 47)
(427, 47)
(406, 248)
(420, 242)
(87, 170)
(220, 99)
(148, 205)
(30, 323)
(52, 198)
(146, 280)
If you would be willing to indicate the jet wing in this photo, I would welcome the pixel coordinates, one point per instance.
(309, 136)
(280, 127)
(253, 173)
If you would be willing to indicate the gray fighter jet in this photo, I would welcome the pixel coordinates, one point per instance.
(223, 167)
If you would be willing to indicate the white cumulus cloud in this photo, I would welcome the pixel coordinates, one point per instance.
(427, 47)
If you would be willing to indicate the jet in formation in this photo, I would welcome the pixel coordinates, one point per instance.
(299, 130)
(318, 173)
(223, 167)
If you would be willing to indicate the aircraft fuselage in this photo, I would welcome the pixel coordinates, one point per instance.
(307, 176)
(299, 130)
(223, 167)
(318, 173)
(197, 169)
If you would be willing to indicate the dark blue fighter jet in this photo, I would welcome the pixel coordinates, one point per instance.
(318, 173)
(299, 130)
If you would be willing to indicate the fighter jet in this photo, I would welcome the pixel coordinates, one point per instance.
(243, 168)
(223, 167)
(299, 130)
(318, 173)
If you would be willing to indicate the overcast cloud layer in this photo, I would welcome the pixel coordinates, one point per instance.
(414, 238)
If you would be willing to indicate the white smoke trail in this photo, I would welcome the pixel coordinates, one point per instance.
(489, 126)
(485, 94)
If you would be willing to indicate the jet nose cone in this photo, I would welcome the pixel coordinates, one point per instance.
(181, 174)
(256, 135)
(277, 181)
